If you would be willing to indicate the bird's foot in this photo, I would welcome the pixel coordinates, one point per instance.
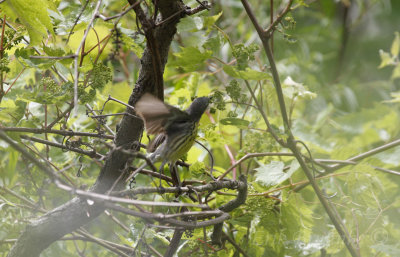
(179, 191)
(161, 189)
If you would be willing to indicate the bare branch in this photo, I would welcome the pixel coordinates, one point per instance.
(76, 66)
(54, 131)
(103, 198)
(278, 19)
(228, 207)
(51, 173)
(53, 57)
(92, 154)
(210, 187)
(120, 14)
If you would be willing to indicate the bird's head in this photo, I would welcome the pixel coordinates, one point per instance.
(198, 107)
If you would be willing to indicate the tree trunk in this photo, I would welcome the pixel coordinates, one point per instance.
(52, 226)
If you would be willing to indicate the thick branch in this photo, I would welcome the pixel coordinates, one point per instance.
(211, 187)
(228, 207)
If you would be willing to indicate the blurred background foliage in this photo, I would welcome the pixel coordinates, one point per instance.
(339, 64)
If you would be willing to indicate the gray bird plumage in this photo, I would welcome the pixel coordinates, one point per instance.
(176, 129)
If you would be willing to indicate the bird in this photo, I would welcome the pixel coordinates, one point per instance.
(176, 130)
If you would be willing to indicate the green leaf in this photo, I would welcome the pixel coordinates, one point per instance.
(240, 123)
(11, 110)
(272, 174)
(6, 202)
(396, 71)
(12, 161)
(209, 21)
(190, 23)
(244, 54)
(213, 43)
(390, 156)
(386, 59)
(197, 169)
(11, 165)
(247, 74)
(390, 250)
(293, 89)
(296, 219)
(23, 55)
(234, 90)
(191, 58)
(33, 15)
(394, 50)
(53, 51)
(395, 97)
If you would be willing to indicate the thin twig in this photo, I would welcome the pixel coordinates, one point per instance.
(112, 114)
(92, 154)
(53, 57)
(119, 15)
(54, 131)
(15, 80)
(278, 19)
(252, 155)
(356, 158)
(77, 20)
(237, 247)
(116, 248)
(291, 185)
(1, 57)
(261, 110)
(76, 66)
(104, 125)
(211, 159)
(50, 172)
(117, 221)
(62, 115)
(46, 160)
(118, 101)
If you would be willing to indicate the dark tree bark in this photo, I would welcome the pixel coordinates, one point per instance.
(42, 232)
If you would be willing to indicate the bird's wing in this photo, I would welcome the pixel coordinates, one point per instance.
(157, 115)
(156, 142)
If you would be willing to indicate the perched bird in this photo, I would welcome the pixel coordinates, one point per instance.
(176, 129)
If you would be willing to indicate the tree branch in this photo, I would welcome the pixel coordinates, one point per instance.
(332, 168)
(228, 207)
(291, 142)
(54, 131)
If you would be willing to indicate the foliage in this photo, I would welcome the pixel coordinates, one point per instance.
(340, 82)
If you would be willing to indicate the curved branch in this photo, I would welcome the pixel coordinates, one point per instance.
(212, 186)
(228, 207)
